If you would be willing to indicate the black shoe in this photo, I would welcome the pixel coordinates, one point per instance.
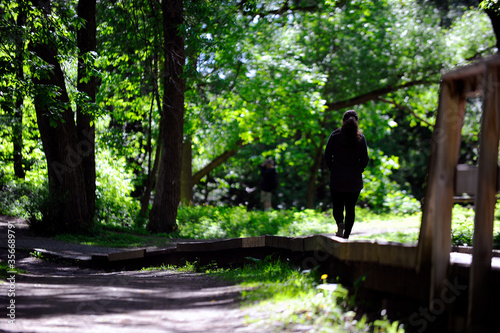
(340, 231)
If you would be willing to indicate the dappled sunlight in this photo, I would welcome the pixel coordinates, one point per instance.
(140, 301)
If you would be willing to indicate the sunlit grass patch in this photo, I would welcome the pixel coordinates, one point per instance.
(279, 294)
(7, 271)
(205, 222)
(398, 236)
(104, 238)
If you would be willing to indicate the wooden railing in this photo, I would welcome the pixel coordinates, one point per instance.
(445, 180)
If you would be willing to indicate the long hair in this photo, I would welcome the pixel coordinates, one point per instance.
(350, 127)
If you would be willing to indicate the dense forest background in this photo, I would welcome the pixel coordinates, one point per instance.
(121, 110)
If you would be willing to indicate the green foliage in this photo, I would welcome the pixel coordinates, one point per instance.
(463, 226)
(6, 271)
(30, 198)
(476, 42)
(114, 205)
(42, 208)
(490, 5)
(381, 193)
(37, 254)
(106, 238)
(270, 278)
(204, 222)
(15, 197)
(295, 297)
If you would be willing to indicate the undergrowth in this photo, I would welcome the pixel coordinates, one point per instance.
(205, 222)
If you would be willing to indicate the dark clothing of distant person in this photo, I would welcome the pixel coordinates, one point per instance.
(268, 181)
(346, 156)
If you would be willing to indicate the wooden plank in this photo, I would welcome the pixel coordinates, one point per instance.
(259, 241)
(297, 244)
(274, 241)
(434, 243)
(310, 244)
(398, 255)
(485, 200)
(194, 246)
(465, 179)
(465, 72)
(279, 242)
(358, 251)
(226, 244)
(384, 253)
(160, 252)
(126, 255)
(323, 245)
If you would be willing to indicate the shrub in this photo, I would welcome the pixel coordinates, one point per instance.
(15, 197)
(114, 205)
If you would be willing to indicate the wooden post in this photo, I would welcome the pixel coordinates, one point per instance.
(433, 253)
(479, 299)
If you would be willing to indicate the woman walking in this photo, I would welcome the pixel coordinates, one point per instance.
(346, 156)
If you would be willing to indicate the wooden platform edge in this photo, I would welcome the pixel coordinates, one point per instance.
(126, 255)
(386, 253)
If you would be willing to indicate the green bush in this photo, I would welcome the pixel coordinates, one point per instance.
(206, 222)
(15, 197)
(463, 226)
(114, 205)
(297, 297)
(462, 229)
(381, 194)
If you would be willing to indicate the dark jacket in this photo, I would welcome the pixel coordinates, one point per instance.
(346, 162)
(269, 180)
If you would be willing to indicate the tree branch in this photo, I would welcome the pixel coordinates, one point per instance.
(216, 162)
(280, 11)
(372, 95)
(406, 108)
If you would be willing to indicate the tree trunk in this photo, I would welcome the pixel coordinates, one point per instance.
(163, 215)
(86, 42)
(187, 173)
(311, 184)
(152, 172)
(494, 16)
(150, 185)
(17, 128)
(188, 180)
(67, 209)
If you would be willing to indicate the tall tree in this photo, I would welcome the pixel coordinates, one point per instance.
(66, 149)
(13, 85)
(87, 86)
(163, 215)
(17, 128)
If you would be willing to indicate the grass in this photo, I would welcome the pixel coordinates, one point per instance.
(277, 293)
(111, 238)
(6, 271)
(204, 222)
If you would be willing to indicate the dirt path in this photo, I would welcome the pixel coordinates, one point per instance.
(52, 297)
(55, 298)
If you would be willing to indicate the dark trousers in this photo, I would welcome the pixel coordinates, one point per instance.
(347, 201)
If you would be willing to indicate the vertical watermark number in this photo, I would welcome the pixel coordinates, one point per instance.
(11, 272)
